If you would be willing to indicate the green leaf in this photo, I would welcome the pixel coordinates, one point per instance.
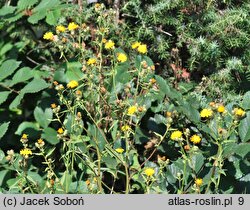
(244, 128)
(34, 86)
(122, 75)
(243, 149)
(97, 137)
(43, 117)
(37, 16)
(3, 173)
(3, 96)
(197, 162)
(5, 10)
(23, 4)
(24, 126)
(3, 129)
(21, 75)
(246, 101)
(50, 135)
(8, 67)
(2, 156)
(191, 113)
(74, 71)
(53, 16)
(46, 5)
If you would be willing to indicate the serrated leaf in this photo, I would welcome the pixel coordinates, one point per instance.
(50, 135)
(34, 86)
(53, 16)
(3, 129)
(8, 67)
(37, 16)
(243, 149)
(43, 117)
(244, 128)
(3, 96)
(21, 75)
(5, 10)
(74, 71)
(246, 100)
(46, 5)
(197, 162)
(23, 4)
(122, 75)
(24, 126)
(97, 138)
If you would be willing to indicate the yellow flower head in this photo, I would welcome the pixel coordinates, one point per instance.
(135, 45)
(48, 36)
(72, 26)
(91, 61)
(198, 182)
(176, 135)
(126, 128)
(239, 112)
(206, 113)
(60, 28)
(132, 110)
(121, 57)
(119, 150)
(53, 106)
(72, 84)
(195, 139)
(221, 109)
(25, 152)
(60, 131)
(142, 48)
(152, 81)
(149, 172)
(40, 141)
(24, 136)
(109, 45)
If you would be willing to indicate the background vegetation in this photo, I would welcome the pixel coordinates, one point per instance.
(124, 96)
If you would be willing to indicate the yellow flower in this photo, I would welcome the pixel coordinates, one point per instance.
(121, 57)
(206, 113)
(40, 141)
(152, 81)
(195, 139)
(60, 131)
(176, 135)
(142, 48)
(60, 28)
(135, 45)
(72, 26)
(149, 172)
(24, 136)
(48, 36)
(109, 45)
(72, 84)
(126, 128)
(132, 110)
(25, 152)
(239, 112)
(119, 150)
(221, 109)
(91, 61)
(198, 182)
(53, 106)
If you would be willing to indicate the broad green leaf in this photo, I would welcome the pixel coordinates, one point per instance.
(53, 16)
(2, 156)
(191, 113)
(21, 75)
(74, 71)
(3, 173)
(34, 86)
(5, 48)
(197, 162)
(243, 149)
(3, 129)
(46, 5)
(246, 100)
(50, 135)
(66, 180)
(24, 126)
(35, 178)
(37, 16)
(110, 162)
(8, 67)
(244, 128)
(43, 117)
(97, 137)
(121, 73)
(5, 10)
(23, 4)
(3, 96)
